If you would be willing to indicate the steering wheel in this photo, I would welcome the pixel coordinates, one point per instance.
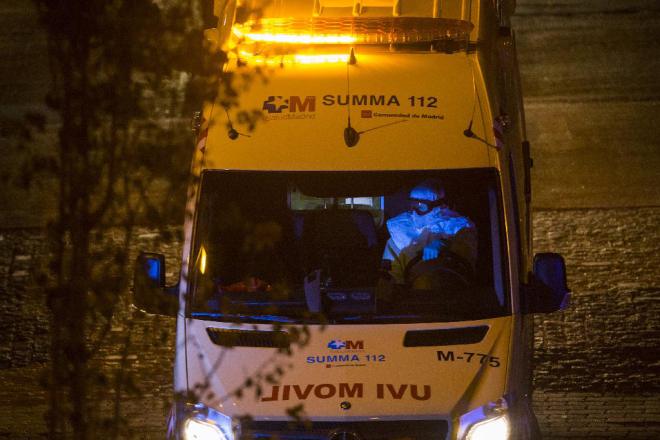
(448, 269)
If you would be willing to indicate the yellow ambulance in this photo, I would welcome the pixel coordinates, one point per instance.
(357, 263)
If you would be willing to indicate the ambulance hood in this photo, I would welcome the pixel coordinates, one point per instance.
(410, 110)
(355, 371)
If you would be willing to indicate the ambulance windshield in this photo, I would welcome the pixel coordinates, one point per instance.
(348, 247)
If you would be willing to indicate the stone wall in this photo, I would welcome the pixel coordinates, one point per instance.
(23, 314)
(609, 339)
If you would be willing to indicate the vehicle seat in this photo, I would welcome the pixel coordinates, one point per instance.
(341, 242)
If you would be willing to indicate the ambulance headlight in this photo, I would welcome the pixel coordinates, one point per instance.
(194, 429)
(488, 422)
(207, 424)
(497, 428)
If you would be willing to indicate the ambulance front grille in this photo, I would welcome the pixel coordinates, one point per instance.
(368, 430)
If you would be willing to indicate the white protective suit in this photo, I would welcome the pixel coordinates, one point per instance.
(412, 234)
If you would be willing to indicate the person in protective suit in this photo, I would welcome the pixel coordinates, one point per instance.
(428, 228)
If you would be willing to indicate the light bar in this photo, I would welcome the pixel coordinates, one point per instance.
(281, 38)
(351, 30)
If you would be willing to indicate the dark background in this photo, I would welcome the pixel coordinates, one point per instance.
(591, 78)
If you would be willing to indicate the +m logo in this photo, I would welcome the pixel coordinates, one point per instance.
(276, 104)
(337, 344)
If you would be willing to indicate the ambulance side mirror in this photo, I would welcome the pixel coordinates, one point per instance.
(547, 290)
(149, 291)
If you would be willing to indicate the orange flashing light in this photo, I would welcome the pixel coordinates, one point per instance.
(321, 59)
(202, 261)
(276, 60)
(355, 30)
(283, 38)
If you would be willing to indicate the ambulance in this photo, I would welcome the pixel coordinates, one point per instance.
(290, 324)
